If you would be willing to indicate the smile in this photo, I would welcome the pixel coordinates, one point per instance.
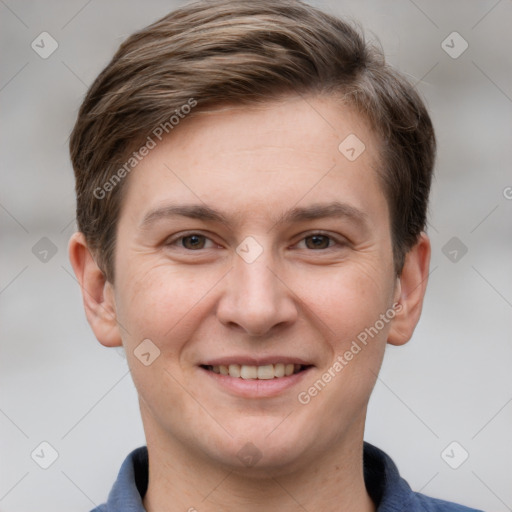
(264, 372)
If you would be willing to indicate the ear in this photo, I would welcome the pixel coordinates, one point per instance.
(410, 290)
(97, 292)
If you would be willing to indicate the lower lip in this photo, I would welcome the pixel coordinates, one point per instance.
(257, 388)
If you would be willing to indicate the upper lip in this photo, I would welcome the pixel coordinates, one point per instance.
(255, 361)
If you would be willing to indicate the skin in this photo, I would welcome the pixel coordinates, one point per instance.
(295, 300)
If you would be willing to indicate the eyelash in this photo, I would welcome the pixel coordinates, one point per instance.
(337, 241)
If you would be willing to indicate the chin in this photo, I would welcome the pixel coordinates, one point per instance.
(263, 450)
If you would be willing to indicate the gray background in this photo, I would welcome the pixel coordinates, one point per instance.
(452, 382)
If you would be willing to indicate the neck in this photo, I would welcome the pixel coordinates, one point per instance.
(179, 480)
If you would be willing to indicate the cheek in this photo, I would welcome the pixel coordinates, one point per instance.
(350, 308)
(346, 299)
(162, 304)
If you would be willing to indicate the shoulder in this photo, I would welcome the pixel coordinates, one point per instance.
(427, 504)
(392, 493)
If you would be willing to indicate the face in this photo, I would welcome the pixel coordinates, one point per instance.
(248, 243)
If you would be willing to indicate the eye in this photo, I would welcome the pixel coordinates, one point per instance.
(197, 242)
(192, 242)
(319, 241)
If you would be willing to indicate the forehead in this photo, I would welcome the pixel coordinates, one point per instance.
(262, 158)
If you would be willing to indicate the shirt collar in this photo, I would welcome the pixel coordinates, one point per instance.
(131, 484)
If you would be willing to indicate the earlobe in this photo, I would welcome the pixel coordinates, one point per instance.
(410, 292)
(97, 292)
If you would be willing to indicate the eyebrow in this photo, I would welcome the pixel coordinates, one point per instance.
(203, 212)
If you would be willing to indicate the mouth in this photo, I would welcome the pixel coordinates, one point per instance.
(253, 372)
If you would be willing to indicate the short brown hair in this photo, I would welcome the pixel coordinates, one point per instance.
(242, 52)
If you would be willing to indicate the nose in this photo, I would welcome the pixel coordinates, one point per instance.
(256, 299)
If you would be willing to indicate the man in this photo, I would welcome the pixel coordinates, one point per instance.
(252, 182)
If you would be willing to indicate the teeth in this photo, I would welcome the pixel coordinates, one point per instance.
(234, 370)
(248, 372)
(265, 372)
(279, 370)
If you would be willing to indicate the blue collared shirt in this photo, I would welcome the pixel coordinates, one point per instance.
(389, 491)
